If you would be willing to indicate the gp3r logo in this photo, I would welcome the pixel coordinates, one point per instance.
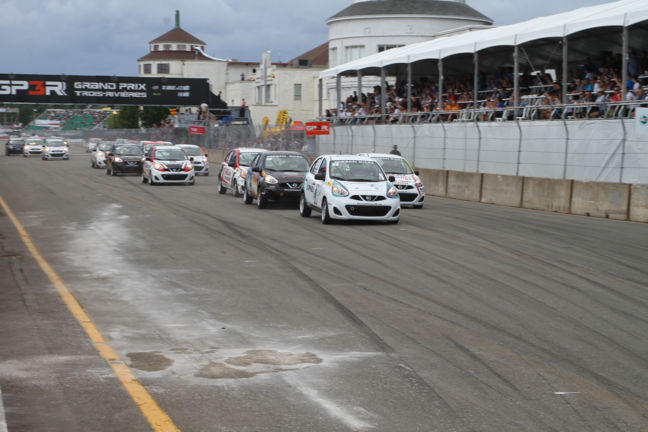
(34, 88)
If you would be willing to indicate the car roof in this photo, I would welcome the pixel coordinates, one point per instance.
(335, 157)
(250, 150)
(186, 145)
(283, 153)
(381, 155)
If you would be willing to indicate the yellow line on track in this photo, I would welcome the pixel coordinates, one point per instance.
(157, 418)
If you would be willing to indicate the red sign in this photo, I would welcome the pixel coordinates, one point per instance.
(196, 130)
(318, 128)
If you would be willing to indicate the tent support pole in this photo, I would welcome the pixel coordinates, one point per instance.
(338, 92)
(516, 79)
(476, 80)
(409, 87)
(319, 96)
(360, 88)
(565, 67)
(624, 62)
(383, 92)
(440, 95)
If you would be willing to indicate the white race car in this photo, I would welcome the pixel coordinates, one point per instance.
(349, 187)
(407, 181)
(198, 158)
(100, 153)
(168, 164)
(234, 170)
(92, 144)
(33, 146)
(55, 149)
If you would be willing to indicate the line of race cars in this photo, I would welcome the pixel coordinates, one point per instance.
(368, 186)
(157, 162)
(47, 148)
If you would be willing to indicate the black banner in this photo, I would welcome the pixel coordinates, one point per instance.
(102, 90)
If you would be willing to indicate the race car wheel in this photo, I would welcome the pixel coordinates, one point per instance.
(143, 179)
(107, 171)
(92, 164)
(247, 199)
(221, 188)
(304, 210)
(235, 188)
(326, 219)
(418, 207)
(262, 202)
(394, 222)
(113, 172)
(150, 180)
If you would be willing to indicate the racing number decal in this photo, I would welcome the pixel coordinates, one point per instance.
(38, 88)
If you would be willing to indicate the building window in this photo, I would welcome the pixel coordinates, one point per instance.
(147, 68)
(268, 94)
(167, 47)
(182, 47)
(333, 58)
(156, 47)
(298, 92)
(353, 52)
(259, 95)
(163, 68)
(382, 48)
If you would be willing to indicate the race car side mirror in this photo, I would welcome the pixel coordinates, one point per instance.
(256, 169)
(320, 176)
(233, 165)
(416, 172)
(392, 179)
(191, 158)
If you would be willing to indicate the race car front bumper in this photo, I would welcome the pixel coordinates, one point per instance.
(347, 208)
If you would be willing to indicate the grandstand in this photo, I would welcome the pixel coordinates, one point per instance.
(69, 119)
(568, 66)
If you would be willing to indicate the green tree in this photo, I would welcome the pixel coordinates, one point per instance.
(154, 115)
(128, 117)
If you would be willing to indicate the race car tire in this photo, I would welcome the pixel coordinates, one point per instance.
(151, 182)
(326, 219)
(206, 174)
(304, 210)
(143, 179)
(221, 188)
(92, 164)
(418, 207)
(247, 199)
(107, 171)
(262, 202)
(394, 222)
(113, 172)
(234, 187)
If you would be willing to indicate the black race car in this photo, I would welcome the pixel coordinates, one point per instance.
(274, 176)
(124, 159)
(14, 145)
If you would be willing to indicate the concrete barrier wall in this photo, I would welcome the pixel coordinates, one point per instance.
(604, 200)
(639, 203)
(502, 190)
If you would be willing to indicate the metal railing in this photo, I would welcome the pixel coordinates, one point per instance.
(532, 111)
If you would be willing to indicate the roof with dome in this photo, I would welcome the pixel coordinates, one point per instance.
(411, 7)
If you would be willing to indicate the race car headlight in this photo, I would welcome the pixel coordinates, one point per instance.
(188, 167)
(270, 180)
(205, 159)
(27, 147)
(46, 148)
(158, 166)
(118, 159)
(392, 192)
(101, 154)
(419, 184)
(338, 190)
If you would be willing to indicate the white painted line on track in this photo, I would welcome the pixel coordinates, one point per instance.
(3, 419)
(566, 393)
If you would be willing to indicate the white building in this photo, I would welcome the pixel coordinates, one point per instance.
(369, 27)
(363, 28)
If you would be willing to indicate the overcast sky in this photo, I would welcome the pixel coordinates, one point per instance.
(107, 37)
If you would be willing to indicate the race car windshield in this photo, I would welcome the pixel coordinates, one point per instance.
(105, 147)
(128, 151)
(359, 171)
(16, 141)
(245, 159)
(395, 166)
(35, 142)
(286, 163)
(53, 143)
(193, 151)
(170, 154)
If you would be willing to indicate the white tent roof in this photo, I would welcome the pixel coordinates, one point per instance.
(618, 14)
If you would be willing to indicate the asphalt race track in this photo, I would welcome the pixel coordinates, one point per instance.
(463, 317)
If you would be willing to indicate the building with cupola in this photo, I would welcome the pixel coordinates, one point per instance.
(363, 28)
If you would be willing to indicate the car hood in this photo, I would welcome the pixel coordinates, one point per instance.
(130, 158)
(287, 176)
(365, 188)
(404, 179)
(56, 147)
(172, 164)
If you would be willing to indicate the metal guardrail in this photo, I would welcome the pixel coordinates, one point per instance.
(591, 110)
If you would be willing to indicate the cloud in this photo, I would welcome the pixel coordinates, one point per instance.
(107, 37)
